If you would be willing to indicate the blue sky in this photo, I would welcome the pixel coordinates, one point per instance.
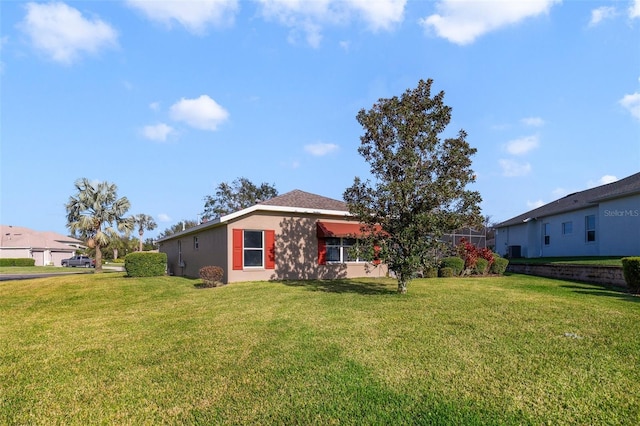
(167, 99)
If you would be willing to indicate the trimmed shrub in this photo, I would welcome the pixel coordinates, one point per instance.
(20, 261)
(455, 263)
(430, 272)
(499, 265)
(211, 276)
(482, 265)
(445, 272)
(141, 264)
(631, 271)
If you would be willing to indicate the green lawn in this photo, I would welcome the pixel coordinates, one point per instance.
(583, 260)
(87, 349)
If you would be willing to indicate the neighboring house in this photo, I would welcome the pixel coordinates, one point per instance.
(296, 235)
(47, 248)
(601, 221)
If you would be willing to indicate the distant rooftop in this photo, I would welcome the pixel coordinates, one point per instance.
(583, 199)
(305, 200)
(21, 237)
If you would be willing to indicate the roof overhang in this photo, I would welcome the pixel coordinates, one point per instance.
(223, 220)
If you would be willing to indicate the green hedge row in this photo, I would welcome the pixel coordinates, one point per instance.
(22, 261)
(631, 271)
(454, 266)
(145, 264)
(499, 265)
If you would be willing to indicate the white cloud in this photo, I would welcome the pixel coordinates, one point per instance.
(462, 21)
(155, 106)
(202, 113)
(195, 16)
(3, 40)
(532, 121)
(602, 181)
(320, 149)
(607, 179)
(511, 168)
(522, 145)
(63, 34)
(380, 15)
(632, 104)
(634, 10)
(559, 192)
(157, 132)
(309, 17)
(535, 204)
(163, 217)
(600, 14)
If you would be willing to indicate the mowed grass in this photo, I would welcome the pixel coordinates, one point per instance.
(501, 350)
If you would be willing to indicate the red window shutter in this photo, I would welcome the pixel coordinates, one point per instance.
(270, 246)
(376, 255)
(322, 251)
(237, 249)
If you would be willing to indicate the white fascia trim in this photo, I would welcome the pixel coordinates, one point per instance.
(281, 209)
(258, 207)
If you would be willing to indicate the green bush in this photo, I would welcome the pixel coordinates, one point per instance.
(445, 272)
(145, 264)
(22, 261)
(453, 262)
(118, 260)
(211, 275)
(482, 265)
(499, 265)
(631, 271)
(430, 272)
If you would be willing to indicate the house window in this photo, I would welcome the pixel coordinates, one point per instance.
(590, 228)
(339, 250)
(547, 236)
(195, 243)
(567, 228)
(253, 249)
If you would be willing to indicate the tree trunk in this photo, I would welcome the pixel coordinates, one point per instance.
(140, 246)
(402, 286)
(98, 268)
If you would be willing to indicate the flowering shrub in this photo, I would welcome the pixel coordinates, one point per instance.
(471, 254)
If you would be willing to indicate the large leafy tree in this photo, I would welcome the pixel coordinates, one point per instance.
(238, 195)
(420, 179)
(143, 222)
(178, 227)
(96, 214)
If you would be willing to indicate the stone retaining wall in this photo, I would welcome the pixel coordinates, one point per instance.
(603, 275)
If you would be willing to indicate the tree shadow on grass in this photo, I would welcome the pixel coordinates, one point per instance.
(602, 291)
(364, 287)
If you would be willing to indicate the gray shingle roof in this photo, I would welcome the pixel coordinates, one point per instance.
(305, 200)
(580, 200)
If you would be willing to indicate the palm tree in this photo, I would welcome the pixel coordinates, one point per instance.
(93, 211)
(144, 223)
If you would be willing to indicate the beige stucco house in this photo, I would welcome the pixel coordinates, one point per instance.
(47, 248)
(294, 236)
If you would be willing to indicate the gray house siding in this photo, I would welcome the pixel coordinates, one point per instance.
(620, 224)
(616, 232)
(187, 254)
